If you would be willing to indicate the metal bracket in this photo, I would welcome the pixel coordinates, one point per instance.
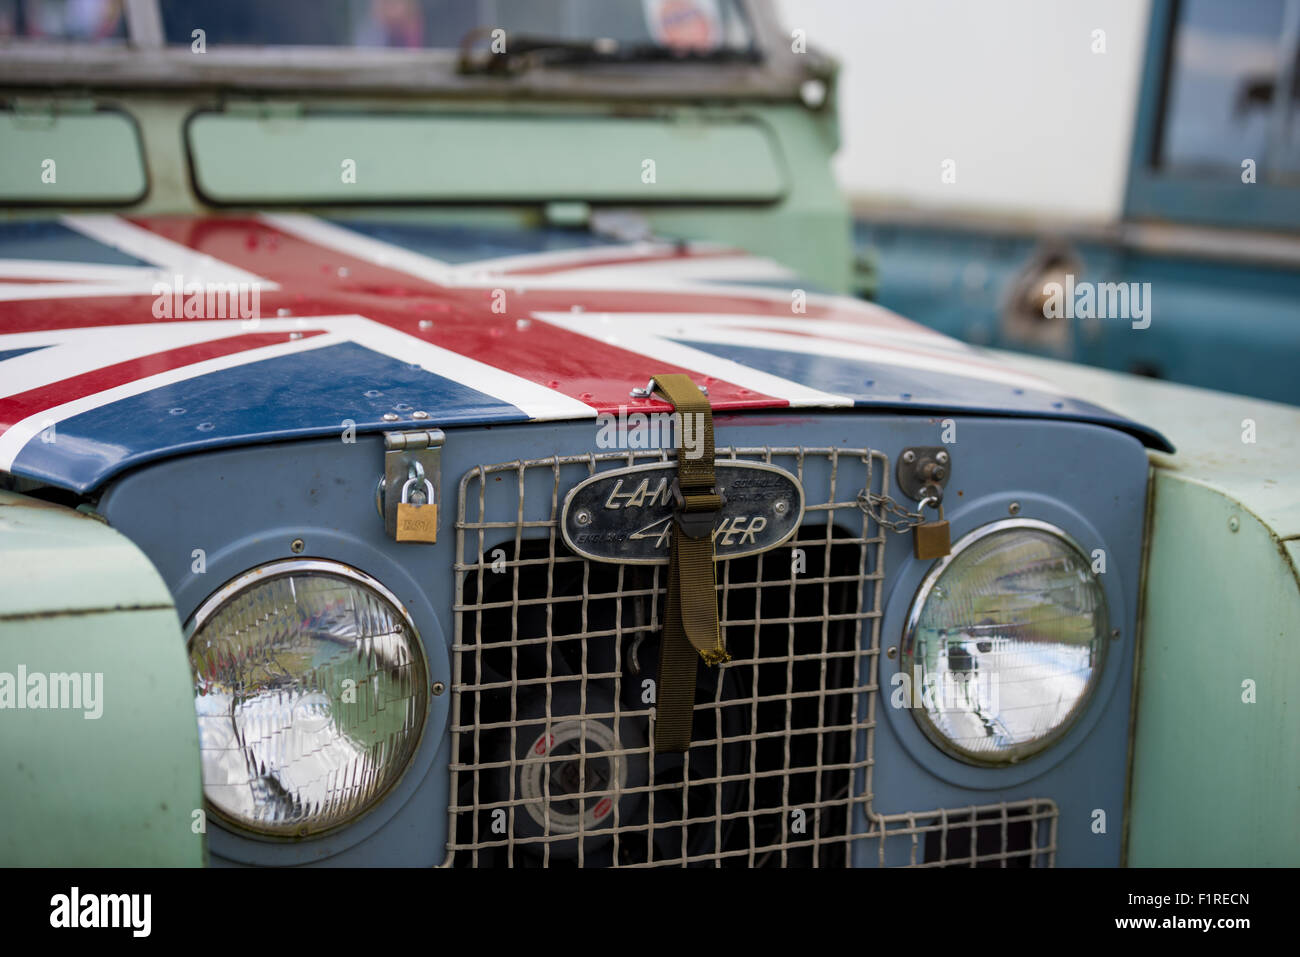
(649, 390)
(408, 454)
(923, 465)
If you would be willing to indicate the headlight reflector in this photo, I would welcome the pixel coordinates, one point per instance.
(1005, 642)
(310, 686)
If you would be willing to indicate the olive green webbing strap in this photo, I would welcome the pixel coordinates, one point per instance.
(691, 618)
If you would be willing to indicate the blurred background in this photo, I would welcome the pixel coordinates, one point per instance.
(991, 148)
(1038, 125)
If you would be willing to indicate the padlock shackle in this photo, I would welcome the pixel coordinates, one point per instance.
(428, 494)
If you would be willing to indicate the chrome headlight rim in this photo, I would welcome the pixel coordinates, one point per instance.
(279, 568)
(1049, 743)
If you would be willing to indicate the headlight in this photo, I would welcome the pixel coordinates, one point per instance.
(310, 687)
(1005, 642)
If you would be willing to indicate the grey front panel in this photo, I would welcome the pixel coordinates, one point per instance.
(889, 795)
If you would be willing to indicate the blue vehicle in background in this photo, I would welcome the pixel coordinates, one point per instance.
(1210, 219)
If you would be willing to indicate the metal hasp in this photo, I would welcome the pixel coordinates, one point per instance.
(410, 455)
(923, 465)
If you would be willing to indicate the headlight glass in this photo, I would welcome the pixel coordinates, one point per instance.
(1005, 642)
(311, 691)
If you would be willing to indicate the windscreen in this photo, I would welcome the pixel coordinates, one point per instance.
(682, 25)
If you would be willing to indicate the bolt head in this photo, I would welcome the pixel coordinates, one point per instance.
(781, 507)
(909, 457)
(583, 517)
(438, 688)
(941, 458)
(297, 546)
(391, 416)
(1014, 508)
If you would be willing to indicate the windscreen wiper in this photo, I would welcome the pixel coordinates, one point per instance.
(523, 52)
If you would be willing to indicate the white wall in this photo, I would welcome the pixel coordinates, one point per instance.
(1037, 123)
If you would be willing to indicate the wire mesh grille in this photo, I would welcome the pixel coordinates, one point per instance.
(1009, 834)
(554, 664)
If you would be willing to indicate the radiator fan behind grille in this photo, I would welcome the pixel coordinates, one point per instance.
(556, 713)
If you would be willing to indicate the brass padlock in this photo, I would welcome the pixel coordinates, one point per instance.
(931, 540)
(417, 523)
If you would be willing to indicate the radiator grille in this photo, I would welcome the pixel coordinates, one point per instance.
(1010, 834)
(551, 761)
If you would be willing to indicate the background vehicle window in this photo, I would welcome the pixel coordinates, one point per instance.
(1230, 64)
(685, 24)
(63, 20)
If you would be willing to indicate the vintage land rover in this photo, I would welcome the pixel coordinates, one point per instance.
(436, 434)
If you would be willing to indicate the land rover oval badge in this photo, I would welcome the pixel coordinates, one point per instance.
(626, 515)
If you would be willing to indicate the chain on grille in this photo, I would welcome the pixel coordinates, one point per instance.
(552, 708)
